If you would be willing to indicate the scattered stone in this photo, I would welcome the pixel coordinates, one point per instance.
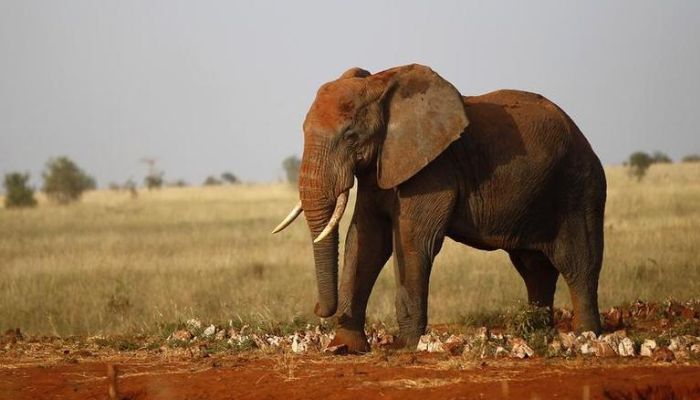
(586, 336)
(499, 352)
(521, 349)
(663, 354)
(209, 331)
(193, 324)
(430, 343)
(695, 349)
(587, 349)
(568, 340)
(482, 333)
(647, 348)
(603, 349)
(182, 335)
(626, 347)
(220, 335)
(299, 344)
(454, 345)
(681, 342)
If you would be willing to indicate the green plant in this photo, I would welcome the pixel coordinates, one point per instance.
(64, 181)
(17, 191)
(531, 323)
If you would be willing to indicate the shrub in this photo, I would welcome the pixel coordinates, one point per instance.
(638, 164)
(211, 181)
(661, 158)
(153, 181)
(291, 166)
(17, 192)
(691, 158)
(179, 183)
(64, 181)
(229, 178)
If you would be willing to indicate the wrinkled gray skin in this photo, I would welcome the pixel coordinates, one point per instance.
(506, 170)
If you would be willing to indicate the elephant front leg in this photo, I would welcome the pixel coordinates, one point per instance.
(367, 248)
(414, 256)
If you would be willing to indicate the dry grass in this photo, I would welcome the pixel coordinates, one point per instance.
(117, 265)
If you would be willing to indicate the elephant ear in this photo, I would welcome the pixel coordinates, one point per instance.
(425, 114)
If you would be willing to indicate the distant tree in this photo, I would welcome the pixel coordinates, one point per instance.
(638, 164)
(691, 158)
(661, 158)
(153, 181)
(130, 186)
(114, 186)
(64, 181)
(229, 178)
(17, 191)
(178, 183)
(291, 166)
(211, 181)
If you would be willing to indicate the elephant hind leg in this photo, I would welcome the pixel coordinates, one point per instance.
(577, 253)
(539, 275)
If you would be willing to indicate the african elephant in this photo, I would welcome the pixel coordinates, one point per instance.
(505, 170)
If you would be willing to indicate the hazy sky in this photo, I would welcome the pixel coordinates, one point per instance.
(208, 86)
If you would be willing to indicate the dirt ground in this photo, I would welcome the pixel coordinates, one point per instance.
(400, 375)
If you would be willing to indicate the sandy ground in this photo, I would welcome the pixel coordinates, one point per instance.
(400, 375)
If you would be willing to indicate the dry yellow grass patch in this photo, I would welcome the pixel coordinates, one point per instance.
(116, 264)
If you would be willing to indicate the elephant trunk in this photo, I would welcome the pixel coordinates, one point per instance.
(317, 200)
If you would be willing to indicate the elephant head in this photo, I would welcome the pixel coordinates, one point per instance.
(398, 120)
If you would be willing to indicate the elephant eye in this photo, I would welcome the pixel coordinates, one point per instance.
(350, 134)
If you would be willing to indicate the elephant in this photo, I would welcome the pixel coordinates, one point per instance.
(505, 170)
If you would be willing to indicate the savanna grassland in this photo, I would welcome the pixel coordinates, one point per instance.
(113, 264)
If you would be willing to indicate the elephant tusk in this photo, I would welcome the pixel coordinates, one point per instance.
(291, 217)
(340, 204)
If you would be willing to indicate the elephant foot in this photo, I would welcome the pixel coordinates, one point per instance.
(407, 342)
(587, 323)
(356, 341)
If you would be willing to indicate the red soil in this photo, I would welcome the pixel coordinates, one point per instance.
(381, 375)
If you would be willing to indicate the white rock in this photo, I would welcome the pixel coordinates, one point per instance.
(521, 349)
(695, 349)
(587, 349)
(498, 336)
(274, 341)
(209, 331)
(501, 352)
(568, 340)
(194, 323)
(647, 348)
(482, 333)
(299, 344)
(455, 339)
(626, 348)
(586, 336)
(612, 340)
(430, 343)
(681, 342)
